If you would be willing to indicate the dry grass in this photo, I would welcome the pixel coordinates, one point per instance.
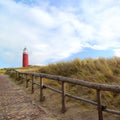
(29, 68)
(96, 70)
(105, 71)
(2, 71)
(101, 70)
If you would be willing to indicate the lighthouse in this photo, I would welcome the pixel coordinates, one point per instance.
(25, 57)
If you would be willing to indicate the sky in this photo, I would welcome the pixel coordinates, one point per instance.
(58, 30)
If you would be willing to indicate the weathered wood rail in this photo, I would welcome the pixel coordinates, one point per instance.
(30, 77)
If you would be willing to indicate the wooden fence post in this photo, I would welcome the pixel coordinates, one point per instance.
(26, 81)
(63, 97)
(22, 76)
(16, 74)
(19, 76)
(99, 107)
(41, 90)
(32, 90)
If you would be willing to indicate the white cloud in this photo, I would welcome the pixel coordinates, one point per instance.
(54, 33)
(117, 52)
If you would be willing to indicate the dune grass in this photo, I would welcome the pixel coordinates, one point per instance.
(101, 70)
(2, 71)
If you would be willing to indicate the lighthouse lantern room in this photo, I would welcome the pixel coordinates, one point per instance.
(25, 57)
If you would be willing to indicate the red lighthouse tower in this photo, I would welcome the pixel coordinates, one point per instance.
(25, 57)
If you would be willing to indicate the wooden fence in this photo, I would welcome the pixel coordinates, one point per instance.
(30, 77)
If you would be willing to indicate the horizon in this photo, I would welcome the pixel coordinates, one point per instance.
(58, 31)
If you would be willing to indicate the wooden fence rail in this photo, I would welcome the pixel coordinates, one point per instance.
(63, 80)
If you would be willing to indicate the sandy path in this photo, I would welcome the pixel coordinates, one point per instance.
(16, 105)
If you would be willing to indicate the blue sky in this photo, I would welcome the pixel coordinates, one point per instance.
(58, 30)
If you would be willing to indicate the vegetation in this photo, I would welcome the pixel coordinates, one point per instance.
(2, 71)
(29, 68)
(101, 70)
